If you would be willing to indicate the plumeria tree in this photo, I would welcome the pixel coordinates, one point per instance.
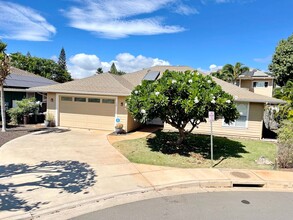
(179, 99)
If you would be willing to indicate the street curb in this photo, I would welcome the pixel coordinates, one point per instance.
(38, 214)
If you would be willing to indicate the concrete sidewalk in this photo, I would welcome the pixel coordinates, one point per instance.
(46, 172)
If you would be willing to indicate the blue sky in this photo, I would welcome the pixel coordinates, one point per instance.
(138, 34)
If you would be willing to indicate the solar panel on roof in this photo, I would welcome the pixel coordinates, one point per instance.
(14, 80)
(153, 75)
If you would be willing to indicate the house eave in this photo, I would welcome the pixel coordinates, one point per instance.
(78, 92)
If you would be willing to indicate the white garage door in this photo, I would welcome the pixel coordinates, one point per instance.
(87, 112)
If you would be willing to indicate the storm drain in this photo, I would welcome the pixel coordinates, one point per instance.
(248, 185)
(245, 183)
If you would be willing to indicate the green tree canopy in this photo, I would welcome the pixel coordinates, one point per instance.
(62, 60)
(40, 66)
(231, 73)
(99, 70)
(179, 99)
(285, 112)
(282, 63)
(113, 69)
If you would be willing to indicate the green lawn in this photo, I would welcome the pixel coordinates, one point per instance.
(159, 149)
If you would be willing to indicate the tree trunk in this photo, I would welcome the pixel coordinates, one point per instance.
(182, 136)
(3, 116)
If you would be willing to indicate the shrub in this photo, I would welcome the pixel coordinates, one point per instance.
(285, 145)
(24, 108)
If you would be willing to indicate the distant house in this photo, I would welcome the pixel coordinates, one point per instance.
(257, 81)
(98, 102)
(18, 81)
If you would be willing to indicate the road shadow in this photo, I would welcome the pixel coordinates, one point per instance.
(224, 148)
(66, 176)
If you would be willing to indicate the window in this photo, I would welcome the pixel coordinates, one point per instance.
(241, 122)
(260, 84)
(66, 99)
(94, 100)
(108, 101)
(79, 99)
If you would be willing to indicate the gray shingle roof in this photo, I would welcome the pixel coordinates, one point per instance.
(23, 79)
(254, 73)
(102, 84)
(109, 84)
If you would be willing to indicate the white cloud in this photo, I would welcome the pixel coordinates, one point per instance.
(84, 65)
(266, 59)
(23, 23)
(214, 68)
(118, 19)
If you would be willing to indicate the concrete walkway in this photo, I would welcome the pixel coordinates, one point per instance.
(60, 169)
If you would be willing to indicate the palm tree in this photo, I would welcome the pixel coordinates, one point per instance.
(4, 72)
(233, 72)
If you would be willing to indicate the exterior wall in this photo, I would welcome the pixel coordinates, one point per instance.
(253, 130)
(246, 84)
(122, 112)
(131, 124)
(51, 105)
(267, 91)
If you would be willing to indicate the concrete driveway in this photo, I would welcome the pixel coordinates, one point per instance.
(51, 168)
(59, 169)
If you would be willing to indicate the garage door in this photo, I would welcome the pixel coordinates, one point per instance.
(87, 112)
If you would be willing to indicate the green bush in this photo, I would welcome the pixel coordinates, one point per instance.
(285, 145)
(24, 108)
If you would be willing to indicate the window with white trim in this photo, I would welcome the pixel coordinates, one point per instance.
(240, 122)
(108, 101)
(94, 100)
(79, 99)
(260, 84)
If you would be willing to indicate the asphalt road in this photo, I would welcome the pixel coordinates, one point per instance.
(207, 206)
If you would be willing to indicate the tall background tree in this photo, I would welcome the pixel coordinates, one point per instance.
(4, 72)
(114, 70)
(282, 62)
(40, 66)
(231, 73)
(180, 99)
(62, 60)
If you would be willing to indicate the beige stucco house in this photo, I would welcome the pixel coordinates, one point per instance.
(257, 81)
(98, 102)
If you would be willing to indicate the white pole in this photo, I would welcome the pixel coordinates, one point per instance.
(212, 147)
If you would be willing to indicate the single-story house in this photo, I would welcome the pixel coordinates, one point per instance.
(98, 102)
(257, 81)
(17, 83)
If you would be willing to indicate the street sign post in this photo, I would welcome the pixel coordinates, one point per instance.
(211, 119)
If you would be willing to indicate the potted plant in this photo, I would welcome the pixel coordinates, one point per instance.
(119, 128)
(49, 120)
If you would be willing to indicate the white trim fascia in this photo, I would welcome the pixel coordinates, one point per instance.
(79, 92)
(14, 90)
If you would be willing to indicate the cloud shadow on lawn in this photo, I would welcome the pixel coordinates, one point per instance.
(224, 148)
(67, 176)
